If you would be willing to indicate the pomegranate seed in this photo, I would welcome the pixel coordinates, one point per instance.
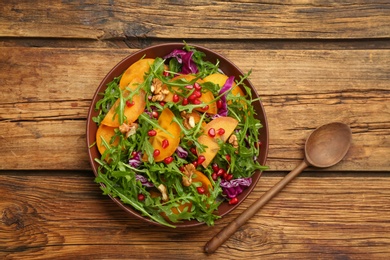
(197, 86)
(219, 103)
(201, 159)
(189, 87)
(233, 201)
(175, 98)
(211, 132)
(197, 93)
(166, 73)
(165, 143)
(181, 168)
(224, 175)
(155, 114)
(193, 150)
(200, 190)
(129, 103)
(141, 197)
(196, 102)
(162, 103)
(185, 101)
(195, 163)
(156, 152)
(192, 97)
(228, 158)
(229, 177)
(134, 153)
(221, 131)
(214, 176)
(220, 172)
(168, 160)
(215, 167)
(205, 108)
(152, 132)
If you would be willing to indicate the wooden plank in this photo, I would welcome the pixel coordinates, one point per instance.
(203, 19)
(56, 215)
(54, 86)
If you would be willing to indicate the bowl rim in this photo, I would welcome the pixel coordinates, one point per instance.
(125, 63)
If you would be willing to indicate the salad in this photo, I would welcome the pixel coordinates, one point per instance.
(177, 137)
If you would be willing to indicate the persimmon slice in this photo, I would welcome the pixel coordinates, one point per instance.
(171, 133)
(106, 133)
(211, 143)
(136, 70)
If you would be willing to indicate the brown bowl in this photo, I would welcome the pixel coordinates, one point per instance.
(160, 51)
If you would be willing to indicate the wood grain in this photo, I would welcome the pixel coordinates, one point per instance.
(46, 104)
(204, 19)
(65, 215)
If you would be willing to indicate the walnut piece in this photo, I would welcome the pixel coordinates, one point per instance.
(189, 121)
(163, 191)
(189, 170)
(128, 129)
(233, 140)
(158, 92)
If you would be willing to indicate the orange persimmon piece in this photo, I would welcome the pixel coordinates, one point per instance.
(206, 183)
(132, 110)
(106, 133)
(220, 79)
(136, 70)
(211, 143)
(171, 135)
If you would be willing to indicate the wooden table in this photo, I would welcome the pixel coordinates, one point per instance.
(313, 62)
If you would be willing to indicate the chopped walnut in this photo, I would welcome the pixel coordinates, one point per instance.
(163, 191)
(233, 141)
(189, 170)
(158, 91)
(189, 121)
(128, 129)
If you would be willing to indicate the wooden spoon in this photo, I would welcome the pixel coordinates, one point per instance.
(325, 147)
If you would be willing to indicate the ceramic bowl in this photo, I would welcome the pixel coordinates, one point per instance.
(161, 50)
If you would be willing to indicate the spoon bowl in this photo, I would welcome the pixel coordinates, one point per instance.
(325, 147)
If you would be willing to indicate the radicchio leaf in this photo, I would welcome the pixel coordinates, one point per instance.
(223, 111)
(181, 152)
(143, 180)
(185, 59)
(135, 161)
(235, 187)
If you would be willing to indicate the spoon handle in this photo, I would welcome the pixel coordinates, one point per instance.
(226, 232)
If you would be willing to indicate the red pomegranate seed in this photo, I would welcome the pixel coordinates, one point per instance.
(211, 132)
(228, 158)
(195, 163)
(229, 177)
(205, 108)
(197, 93)
(152, 132)
(215, 167)
(155, 114)
(189, 87)
(162, 103)
(166, 73)
(200, 190)
(129, 103)
(219, 103)
(214, 176)
(196, 102)
(168, 160)
(220, 172)
(192, 97)
(156, 152)
(181, 168)
(175, 98)
(165, 143)
(197, 86)
(185, 101)
(233, 201)
(221, 131)
(201, 159)
(193, 150)
(141, 197)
